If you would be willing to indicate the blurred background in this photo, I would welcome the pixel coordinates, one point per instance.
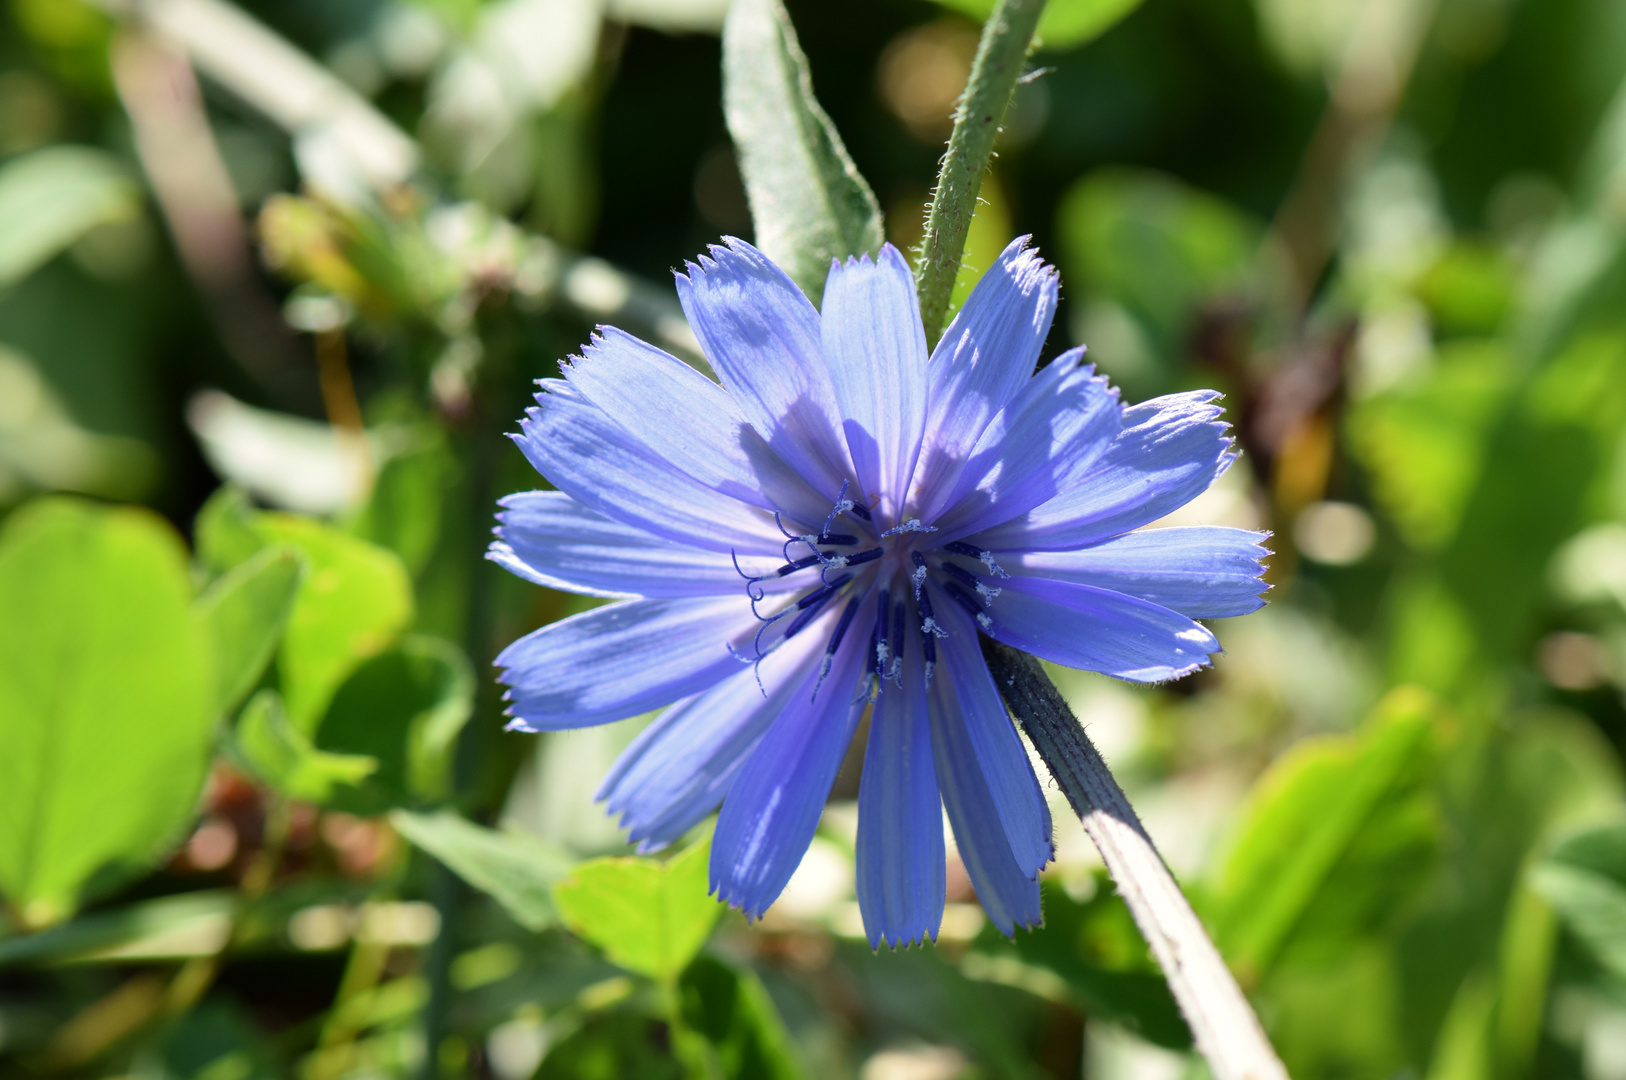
(280, 272)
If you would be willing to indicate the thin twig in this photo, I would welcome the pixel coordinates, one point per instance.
(1222, 1022)
(1001, 54)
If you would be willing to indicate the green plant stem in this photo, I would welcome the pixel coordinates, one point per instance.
(1222, 1022)
(1000, 56)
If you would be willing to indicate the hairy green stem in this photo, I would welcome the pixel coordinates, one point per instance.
(1222, 1022)
(1001, 54)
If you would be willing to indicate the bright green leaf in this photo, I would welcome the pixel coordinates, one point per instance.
(515, 868)
(282, 755)
(52, 197)
(355, 600)
(403, 707)
(244, 614)
(106, 699)
(1065, 24)
(649, 917)
(1336, 836)
(808, 202)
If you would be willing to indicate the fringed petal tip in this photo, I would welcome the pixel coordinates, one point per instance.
(900, 942)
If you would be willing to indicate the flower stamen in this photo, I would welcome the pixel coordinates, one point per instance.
(987, 592)
(835, 643)
(960, 547)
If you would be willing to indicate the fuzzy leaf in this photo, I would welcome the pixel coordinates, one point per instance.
(808, 201)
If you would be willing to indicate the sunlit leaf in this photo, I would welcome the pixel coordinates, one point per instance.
(244, 613)
(282, 755)
(106, 699)
(355, 600)
(515, 868)
(52, 197)
(1335, 838)
(649, 917)
(808, 202)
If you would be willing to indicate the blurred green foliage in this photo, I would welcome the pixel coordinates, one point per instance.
(258, 815)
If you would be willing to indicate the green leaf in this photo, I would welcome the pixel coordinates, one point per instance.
(649, 917)
(732, 1009)
(1585, 880)
(282, 755)
(612, 1045)
(355, 600)
(52, 197)
(808, 202)
(404, 511)
(515, 868)
(106, 699)
(1065, 24)
(404, 708)
(1336, 837)
(190, 924)
(1154, 248)
(244, 614)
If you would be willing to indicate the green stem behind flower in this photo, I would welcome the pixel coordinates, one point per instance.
(1001, 54)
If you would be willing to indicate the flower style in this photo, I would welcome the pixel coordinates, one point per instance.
(828, 531)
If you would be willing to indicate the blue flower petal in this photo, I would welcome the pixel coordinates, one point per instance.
(770, 814)
(680, 767)
(549, 538)
(622, 660)
(1098, 630)
(1012, 787)
(876, 349)
(688, 421)
(1201, 571)
(1064, 419)
(1169, 452)
(585, 454)
(1009, 896)
(983, 360)
(761, 336)
(901, 877)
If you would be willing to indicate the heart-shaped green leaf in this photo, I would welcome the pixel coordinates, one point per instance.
(649, 917)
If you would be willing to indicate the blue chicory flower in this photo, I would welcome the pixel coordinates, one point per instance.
(830, 529)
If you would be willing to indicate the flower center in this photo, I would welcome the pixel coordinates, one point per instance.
(902, 565)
